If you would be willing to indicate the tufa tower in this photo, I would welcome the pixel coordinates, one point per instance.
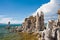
(40, 22)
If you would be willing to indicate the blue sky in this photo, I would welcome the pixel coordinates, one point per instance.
(18, 10)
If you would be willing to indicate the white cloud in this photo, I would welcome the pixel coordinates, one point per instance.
(49, 8)
(5, 20)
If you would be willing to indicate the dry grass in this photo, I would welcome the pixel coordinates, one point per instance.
(28, 36)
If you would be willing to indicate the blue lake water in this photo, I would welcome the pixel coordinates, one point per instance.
(4, 31)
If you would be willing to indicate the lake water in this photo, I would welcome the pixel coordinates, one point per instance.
(4, 31)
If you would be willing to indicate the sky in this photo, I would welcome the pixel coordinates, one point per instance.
(16, 11)
(50, 10)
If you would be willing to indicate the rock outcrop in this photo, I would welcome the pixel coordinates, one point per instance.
(33, 24)
(53, 30)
